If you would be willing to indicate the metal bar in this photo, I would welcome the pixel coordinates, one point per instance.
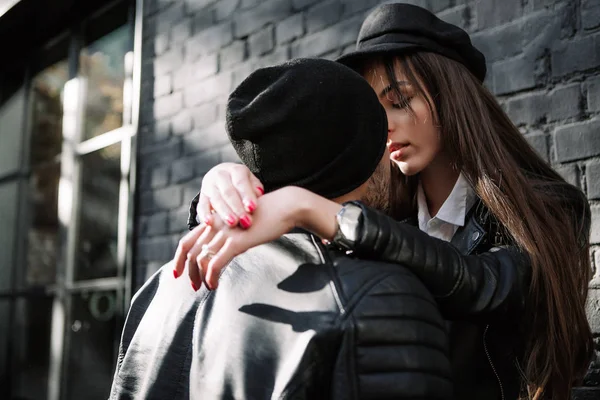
(95, 284)
(104, 140)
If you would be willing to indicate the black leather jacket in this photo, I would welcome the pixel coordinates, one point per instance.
(291, 319)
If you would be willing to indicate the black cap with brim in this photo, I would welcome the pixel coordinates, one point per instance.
(400, 28)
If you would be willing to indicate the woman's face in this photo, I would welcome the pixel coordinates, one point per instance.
(413, 138)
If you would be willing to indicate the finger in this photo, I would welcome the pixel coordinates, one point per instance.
(194, 271)
(259, 189)
(230, 193)
(203, 209)
(222, 209)
(220, 261)
(211, 277)
(243, 182)
(185, 245)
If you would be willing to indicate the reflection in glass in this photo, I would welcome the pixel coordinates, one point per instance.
(47, 113)
(8, 238)
(42, 245)
(103, 64)
(4, 338)
(31, 347)
(98, 223)
(94, 331)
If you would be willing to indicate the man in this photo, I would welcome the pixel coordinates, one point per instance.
(293, 319)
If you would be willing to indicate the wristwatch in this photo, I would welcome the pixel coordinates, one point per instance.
(348, 221)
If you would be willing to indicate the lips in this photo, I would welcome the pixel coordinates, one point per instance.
(396, 149)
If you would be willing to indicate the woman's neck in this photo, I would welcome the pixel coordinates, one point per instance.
(437, 181)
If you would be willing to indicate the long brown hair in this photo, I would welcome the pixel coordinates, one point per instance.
(547, 218)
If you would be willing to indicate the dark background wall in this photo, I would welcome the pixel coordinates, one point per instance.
(543, 65)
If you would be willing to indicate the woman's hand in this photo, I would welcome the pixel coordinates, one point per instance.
(277, 214)
(232, 191)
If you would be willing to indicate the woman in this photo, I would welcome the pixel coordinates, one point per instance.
(506, 250)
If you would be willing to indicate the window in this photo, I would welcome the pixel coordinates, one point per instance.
(66, 132)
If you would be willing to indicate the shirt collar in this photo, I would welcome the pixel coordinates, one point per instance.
(454, 209)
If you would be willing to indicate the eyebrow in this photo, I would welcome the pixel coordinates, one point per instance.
(388, 88)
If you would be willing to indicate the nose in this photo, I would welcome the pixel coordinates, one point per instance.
(391, 125)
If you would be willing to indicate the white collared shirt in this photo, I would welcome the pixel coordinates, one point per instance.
(451, 215)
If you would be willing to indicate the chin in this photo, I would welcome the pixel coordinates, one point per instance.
(406, 168)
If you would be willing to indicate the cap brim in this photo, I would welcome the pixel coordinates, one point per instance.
(354, 58)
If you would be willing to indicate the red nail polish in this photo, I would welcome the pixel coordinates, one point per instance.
(175, 274)
(250, 205)
(245, 222)
(194, 287)
(231, 220)
(261, 190)
(207, 220)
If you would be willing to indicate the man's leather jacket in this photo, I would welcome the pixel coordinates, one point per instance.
(291, 319)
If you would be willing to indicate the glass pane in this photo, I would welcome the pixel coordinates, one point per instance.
(98, 227)
(8, 215)
(103, 63)
(42, 236)
(94, 333)
(31, 347)
(4, 343)
(12, 111)
(47, 113)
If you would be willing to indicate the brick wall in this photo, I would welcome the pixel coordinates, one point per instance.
(543, 65)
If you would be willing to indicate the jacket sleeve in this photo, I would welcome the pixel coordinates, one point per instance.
(465, 286)
(394, 344)
(191, 222)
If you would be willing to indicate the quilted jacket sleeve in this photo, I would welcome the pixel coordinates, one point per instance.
(465, 286)
(395, 344)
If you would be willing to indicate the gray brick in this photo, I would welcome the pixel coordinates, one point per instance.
(208, 89)
(168, 105)
(161, 44)
(319, 43)
(153, 249)
(241, 72)
(204, 115)
(576, 55)
(164, 153)
(590, 14)
(181, 124)
(225, 8)
(494, 13)
(167, 198)
(539, 141)
(156, 224)
(209, 40)
(181, 31)
(162, 85)
(249, 3)
(201, 140)
(196, 5)
(182, 77)
(500, 43)
(290, 28)
(352, 7)
(261, 42)
(159, 177)
(576, 141)
(203, 68)
(592, 176)
(228, 154)
(570, 173)
(301, 4)
(182, 170)
(203, 20)
(458, 16)
(178, 220)
(233, 54)
(529, 109)
(322, 15)
(277, 57)
(190, 190)
(204, 162)
(439, 5)
(593, 300)
(565, 102)
(249, 21)
(162, 130)
(593, 95)
(169, 17)
(168, 61)
(513, 75)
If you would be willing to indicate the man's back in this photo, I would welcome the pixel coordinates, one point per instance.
(290, 320)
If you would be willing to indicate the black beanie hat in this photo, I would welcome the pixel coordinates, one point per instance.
(312, 123)
(398, 28)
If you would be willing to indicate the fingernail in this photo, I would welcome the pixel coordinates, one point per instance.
(231, 220)
(245, 222)
(261, 190)
(194, 287)
(250, 205)
(175, 274)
